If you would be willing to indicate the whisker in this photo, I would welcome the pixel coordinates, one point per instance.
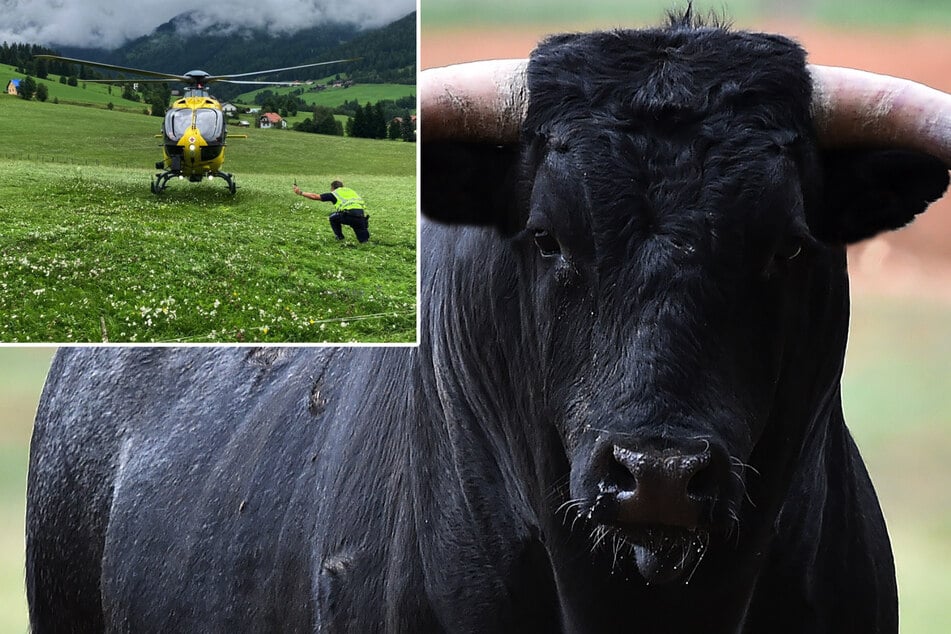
(616, 548)
(736, 462)
(702, 547)
(569, 505)
(558, 489)
(604, 534)
(574, 522)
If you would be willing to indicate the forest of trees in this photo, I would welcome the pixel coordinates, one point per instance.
(22, 57)
(323, 122)
(383, 120)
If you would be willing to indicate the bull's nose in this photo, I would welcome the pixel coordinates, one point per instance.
(668, 487)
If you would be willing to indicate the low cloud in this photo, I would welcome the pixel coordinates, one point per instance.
(111, 23)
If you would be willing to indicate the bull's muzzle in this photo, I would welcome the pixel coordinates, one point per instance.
(661, 502)
(645, 487)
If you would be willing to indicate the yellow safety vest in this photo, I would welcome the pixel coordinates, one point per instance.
(347, 199)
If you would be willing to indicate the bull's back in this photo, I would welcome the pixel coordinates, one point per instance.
(169, 489)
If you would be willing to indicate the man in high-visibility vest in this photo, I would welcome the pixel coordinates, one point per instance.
(349, 209)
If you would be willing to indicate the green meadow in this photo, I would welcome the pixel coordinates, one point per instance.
(333, 97)
(101, 95)
(88, 253)
(86, 94)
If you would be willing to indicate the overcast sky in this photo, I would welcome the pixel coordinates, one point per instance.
(110, 23)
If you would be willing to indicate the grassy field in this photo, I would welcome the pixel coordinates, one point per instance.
(897, 403)
(87, 94)
(88, 253)
(333, 97)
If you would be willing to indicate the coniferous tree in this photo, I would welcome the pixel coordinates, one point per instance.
(368, 123)
(395, 132)
(325, 123)
(27, 88)
(358, 126)
(159, 106)
(379, 121)
(128, 93)
(408, 130)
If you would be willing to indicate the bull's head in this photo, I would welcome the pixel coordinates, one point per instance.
(678, 201)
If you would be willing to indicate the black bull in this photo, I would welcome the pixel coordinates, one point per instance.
(624, 413)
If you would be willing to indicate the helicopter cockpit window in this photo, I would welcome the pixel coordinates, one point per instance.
(177, 121)
(210, 123)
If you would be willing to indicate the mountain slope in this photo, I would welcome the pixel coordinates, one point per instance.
(388, 53)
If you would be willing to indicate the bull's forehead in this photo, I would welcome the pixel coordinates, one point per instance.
(668, 82)
(677, 131)
(622, 186)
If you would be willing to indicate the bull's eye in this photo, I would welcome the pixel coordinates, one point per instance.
(547, 244)
(783, 256)
(789, 250)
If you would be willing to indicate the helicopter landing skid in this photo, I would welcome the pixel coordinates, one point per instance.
(232, 186)
(160, 182)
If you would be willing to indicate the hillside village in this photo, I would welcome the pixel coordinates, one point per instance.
(280, 108)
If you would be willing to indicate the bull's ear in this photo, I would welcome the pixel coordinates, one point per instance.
(868, 192)
(470, 183)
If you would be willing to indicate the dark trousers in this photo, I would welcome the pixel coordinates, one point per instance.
(359, 223)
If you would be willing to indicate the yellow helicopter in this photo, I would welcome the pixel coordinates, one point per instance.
(194, 130)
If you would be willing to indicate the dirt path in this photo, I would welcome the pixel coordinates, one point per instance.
(913, 262)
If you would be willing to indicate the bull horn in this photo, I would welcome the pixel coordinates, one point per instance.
(853, 107)
(486, 102)
(479, 101)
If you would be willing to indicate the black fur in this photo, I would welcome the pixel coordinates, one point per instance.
(661, 269)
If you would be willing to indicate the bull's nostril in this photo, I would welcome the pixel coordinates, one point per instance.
(621, 476)
(659, 487)
(702, 485)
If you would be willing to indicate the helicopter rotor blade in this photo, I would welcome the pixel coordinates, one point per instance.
(136, 80)
(119, 69)
(255, 83)
(278, 70)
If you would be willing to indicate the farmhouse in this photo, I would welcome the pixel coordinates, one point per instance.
(270, 120)
(13, 87)
(229, 109)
